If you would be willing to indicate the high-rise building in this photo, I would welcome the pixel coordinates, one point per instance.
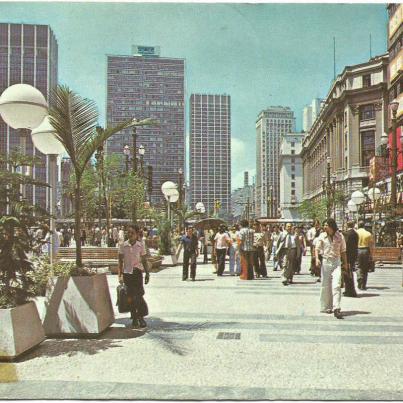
(149, 86)
(210, 150)
(29, 55)
(271, 124)
(291, 176)
(310, 113)
(242, 200)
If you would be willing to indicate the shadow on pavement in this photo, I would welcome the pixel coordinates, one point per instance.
(352, 313)
(378, 288)
(69, 347)
(167, 334)
(367, 295)
(204, 279)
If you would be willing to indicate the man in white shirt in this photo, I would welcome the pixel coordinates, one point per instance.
(132, 263)
(288, 248)
(222, 242)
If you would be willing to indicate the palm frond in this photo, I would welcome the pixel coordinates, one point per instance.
(74, 119)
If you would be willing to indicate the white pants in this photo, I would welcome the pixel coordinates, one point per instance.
(330, 293)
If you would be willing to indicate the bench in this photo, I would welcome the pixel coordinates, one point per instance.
(387, 255)
(99, 257)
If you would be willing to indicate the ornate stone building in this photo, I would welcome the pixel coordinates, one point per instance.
(347, 131)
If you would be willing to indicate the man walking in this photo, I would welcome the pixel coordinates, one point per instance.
(289, 247)
(365, 245)
(132, 263)
(259, 244)
(222, 242)
(190, 253)
(245, 241)
(351, 238)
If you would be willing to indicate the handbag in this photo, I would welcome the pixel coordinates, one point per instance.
(122, 301)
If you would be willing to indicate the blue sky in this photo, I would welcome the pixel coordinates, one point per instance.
(260, 54)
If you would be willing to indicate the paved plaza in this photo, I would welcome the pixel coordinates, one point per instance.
(224, 338)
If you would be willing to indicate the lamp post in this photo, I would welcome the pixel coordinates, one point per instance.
(358, 198)
(394, 106)
(126, 152)
(180, 186)
(374, 194)
(45, 140)
(141, 153)
(171, 194)
(23, 107)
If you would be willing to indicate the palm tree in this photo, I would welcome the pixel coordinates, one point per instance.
(184, 214)
(75, 121)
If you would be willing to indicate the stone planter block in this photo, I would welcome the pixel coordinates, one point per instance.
(20, 330)
(78, 306)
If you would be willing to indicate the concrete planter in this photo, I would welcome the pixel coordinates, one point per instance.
(78, 307)
(20, 330)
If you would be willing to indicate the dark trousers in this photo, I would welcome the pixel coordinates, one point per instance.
(363, 267)
(135, 292)
(205, 252)
(259, 261)
(189, 256)
(348, 279)
(221, 261)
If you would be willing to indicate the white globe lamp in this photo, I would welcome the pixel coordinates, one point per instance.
(358, 197)
(45, 140)
(23, 106)
(374, 194)
(352, 207)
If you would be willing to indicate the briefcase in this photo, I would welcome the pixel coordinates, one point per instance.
(122, 300)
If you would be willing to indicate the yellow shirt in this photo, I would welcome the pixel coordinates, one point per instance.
(364, 238)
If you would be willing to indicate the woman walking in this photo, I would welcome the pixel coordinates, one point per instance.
(332, 246)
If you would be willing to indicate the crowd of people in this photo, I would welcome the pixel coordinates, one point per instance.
(334, 254)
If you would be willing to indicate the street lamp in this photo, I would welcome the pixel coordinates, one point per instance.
(394, 106)
(374, 194)
(180, 186)
(23, 107)
(171, 194)
(45, 140)
(141, 153)
(126, 152)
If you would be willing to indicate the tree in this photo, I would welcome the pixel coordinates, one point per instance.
(312, 210)
(16, 237)
(184, 213)
(75, 121)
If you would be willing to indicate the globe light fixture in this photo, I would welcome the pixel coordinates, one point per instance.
(126, 150)
(142, 150)
(168, 189)
(352, 207)
(23, 106)
(374, 194)
(45, 140)
(394, 105)
(384, 139)
(358, 197)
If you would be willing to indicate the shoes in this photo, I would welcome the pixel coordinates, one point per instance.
(193, 279)
(135, 324)
(285, 282)
(337, 314)
(318, 280)
(289, 281)
(142, 323)
(184, 278)
(214, 272)
(327, 311)
(265, 276)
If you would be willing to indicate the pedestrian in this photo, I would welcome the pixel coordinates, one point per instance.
(205, 242)
(212, 234)
(274, 239)
(365, 247)
(332, 245)
(299, 233)
(351, 238)
(222, 242)
(245, 242)
(119, 236)
(313, 233)
(234, 256)
(190, 244)
(259, 243)
(132, 264)
(115, 236)
(83, 237)
(288, 250)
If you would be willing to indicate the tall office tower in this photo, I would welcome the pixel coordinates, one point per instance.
(28, 54)
(149, 86)
(271, 124)
(310, 114)
(210, 150)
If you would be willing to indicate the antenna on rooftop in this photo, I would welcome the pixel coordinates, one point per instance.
(334, 57)
(370, 46)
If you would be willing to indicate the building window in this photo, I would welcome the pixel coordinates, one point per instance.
(292, 144)
(367, 147)
(367, 112)
(293, 176)
(293, 184)
(292, 168)
(366, 80)
(292, 152)
(293, 192)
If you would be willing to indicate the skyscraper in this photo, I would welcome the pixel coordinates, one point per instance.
(29, 55)
(149, 86)
(210, 150)
(310, 114)
(271, 124)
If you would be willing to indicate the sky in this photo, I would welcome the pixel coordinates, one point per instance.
(259, 54)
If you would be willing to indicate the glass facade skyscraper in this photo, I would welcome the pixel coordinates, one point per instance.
(29, 55)
(210, 151)
(149, 86)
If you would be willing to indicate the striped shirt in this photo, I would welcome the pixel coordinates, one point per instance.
(246, 236)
